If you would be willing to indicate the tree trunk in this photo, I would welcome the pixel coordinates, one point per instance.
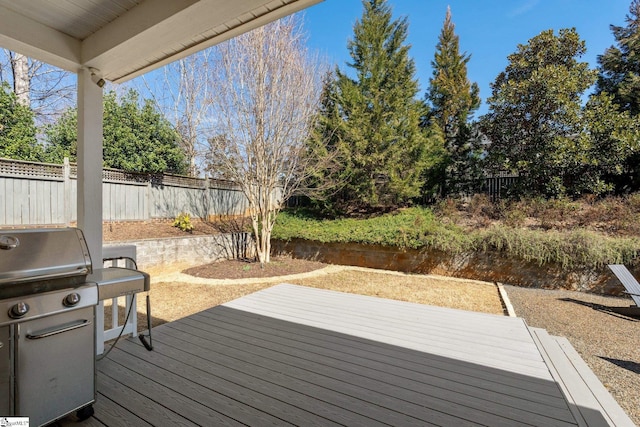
(265, 94)
(21, 80)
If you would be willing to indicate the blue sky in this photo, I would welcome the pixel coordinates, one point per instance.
(489, 30)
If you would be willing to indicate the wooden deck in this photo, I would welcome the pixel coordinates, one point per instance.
(291, 355)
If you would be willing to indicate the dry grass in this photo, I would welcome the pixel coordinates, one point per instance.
(172, 301)
(445, 292)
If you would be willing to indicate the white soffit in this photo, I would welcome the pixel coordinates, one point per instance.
(126, 38)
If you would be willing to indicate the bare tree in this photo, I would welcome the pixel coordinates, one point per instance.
(265, 90)
(183, 97)
(43, 87)
(21, 78)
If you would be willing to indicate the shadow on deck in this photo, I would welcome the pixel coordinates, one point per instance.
(290, 355)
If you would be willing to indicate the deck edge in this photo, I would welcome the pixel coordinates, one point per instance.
(580, 386)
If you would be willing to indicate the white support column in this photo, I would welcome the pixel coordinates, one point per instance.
(90, 164)
(90, 174)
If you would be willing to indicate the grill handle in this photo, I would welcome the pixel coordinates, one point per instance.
(76, 325)
(44, 274)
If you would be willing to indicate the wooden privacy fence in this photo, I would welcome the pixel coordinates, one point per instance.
(45, 194)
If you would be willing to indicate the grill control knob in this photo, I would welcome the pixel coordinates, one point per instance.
(9, 242)
(19, 310)
(71, 299)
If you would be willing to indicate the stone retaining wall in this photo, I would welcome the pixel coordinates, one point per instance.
(479, 266)
(157, 254)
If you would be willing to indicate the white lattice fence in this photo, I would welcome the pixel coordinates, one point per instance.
(45, 194)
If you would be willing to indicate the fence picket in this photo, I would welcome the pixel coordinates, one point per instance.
(45, 194)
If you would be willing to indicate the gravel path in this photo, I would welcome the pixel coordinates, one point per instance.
(608, 343)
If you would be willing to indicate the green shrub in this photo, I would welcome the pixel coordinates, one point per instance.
(183, 222)
(408, 228)
(418, 228)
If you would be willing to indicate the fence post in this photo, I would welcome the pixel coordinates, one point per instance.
(206, 200)
(149, 199)
(66, 176)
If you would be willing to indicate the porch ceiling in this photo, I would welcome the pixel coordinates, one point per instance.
(126, 38)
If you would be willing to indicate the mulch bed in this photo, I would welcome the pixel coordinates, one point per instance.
(245, 269)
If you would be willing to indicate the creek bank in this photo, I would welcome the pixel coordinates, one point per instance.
(485, 266)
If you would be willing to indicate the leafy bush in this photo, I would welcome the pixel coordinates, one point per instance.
(408, 228)
(183, 222)
(419, 228)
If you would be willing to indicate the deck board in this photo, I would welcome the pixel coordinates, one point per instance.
(219, 390)
(111, 414)
(169, 394)
(450, 333)
(432, 366)
(310, 386)
(290, 355)
(395, 362)
(382, 383)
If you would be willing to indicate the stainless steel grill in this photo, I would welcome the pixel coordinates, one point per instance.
(48, 299)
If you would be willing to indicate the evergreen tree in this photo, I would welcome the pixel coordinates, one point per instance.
(620, 66)
(453, 100)
(619, 76)
(609, 149)
(535, 112)
(136, 138)
(17, 128)
(371, 123)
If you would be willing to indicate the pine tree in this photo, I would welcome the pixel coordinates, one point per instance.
(620, 66)
(453, 100)
(372, 122)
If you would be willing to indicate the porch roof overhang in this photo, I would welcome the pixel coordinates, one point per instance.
(126, 38)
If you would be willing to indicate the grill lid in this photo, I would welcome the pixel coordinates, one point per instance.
(33, 255)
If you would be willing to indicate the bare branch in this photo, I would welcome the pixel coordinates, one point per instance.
(265, 92)
(183, 96)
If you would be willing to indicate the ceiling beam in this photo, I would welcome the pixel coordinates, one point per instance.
(143, 19)
(167, 36)
(148, 36)
(38, 41)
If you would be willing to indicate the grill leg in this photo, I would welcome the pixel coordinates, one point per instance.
(84, 413)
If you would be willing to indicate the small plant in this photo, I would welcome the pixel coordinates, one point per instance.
(515, 218)
(183, 222)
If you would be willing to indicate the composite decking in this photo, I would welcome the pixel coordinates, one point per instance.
(291, 355)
